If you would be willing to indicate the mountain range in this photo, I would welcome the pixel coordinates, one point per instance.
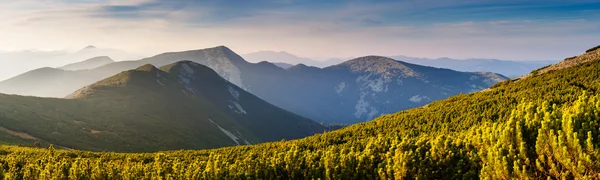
(508, 68)
(88, 64)
(354, 91)
(183, 105)
(13, 63)
(282, 57)
(543, 125)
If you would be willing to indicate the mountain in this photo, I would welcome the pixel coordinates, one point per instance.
(367, 87)
(545, 126)
(93, 51)
(355, 91)
(282, 57)
(180, 106)
(51, 82)
(334, 61)
(505, 67)
(88, 64)
(13, 63)
(283, 65)
(508, 68)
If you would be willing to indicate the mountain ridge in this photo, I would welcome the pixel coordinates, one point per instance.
(88, 64)
(357, 95)
(127, 111)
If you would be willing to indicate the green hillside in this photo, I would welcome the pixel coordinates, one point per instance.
(544, 126)
(147, 109)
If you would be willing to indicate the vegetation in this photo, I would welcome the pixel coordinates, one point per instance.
(593, 49)
(537, 140)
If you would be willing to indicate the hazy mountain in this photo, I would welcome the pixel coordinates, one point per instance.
(351, 92)
(180, 106)
(88, 64)
(282, 57)
(283, 65)
(334, 61)
(505, 67)
(13, 63)
(58, 83)
(93, 51)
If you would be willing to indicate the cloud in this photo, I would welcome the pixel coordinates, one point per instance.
(473, 28)
(128, 2)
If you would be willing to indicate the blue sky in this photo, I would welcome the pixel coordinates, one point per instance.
(508, 29)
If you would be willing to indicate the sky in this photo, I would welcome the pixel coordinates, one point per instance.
(500, 29)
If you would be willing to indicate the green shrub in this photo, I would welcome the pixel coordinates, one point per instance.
(593, 49)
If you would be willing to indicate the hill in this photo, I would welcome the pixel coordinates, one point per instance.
(541, 127)
(88, 64)
(184, 106)
(336, 94)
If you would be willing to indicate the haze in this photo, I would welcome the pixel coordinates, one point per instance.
(517, 30)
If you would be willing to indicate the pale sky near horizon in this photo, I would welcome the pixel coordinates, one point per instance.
(508, 29)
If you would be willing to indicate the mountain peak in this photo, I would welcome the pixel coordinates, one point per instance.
(89, 47)
(218, 52)
(370, 60)
(302, 67)
(378, 64)
(222, 48)
(142, 76)
(88, 64)
(147, 67)
(188, 71)
(286, 53)
(101, 57)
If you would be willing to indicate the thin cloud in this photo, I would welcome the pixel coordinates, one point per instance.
(335, 28)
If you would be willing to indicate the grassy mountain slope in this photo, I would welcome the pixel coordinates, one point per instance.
(544, 126)
(270, 122)
(147, 109)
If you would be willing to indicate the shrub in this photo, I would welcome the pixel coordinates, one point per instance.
(593, 49)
